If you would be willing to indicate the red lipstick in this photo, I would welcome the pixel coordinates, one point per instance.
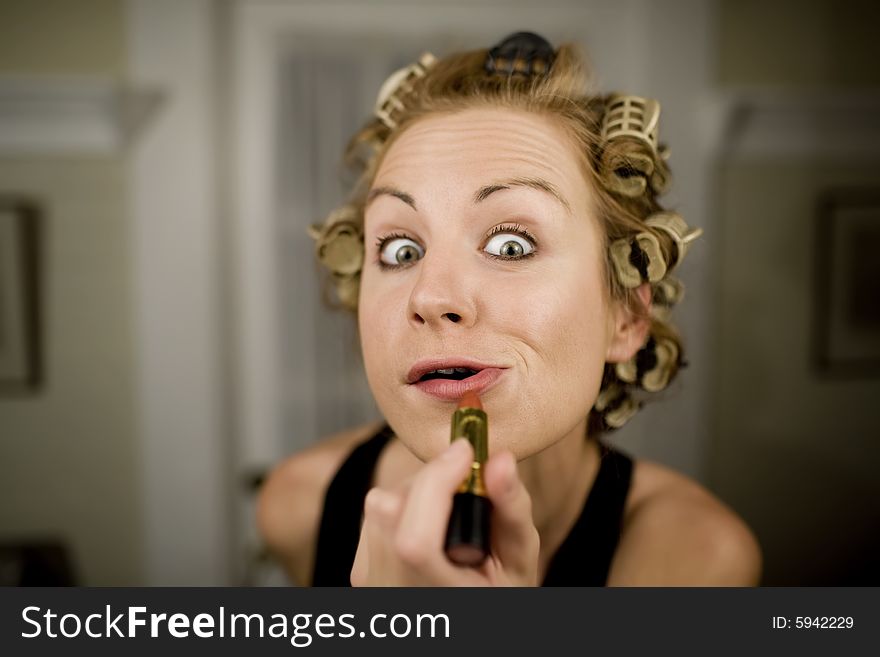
(467, 536)
(470, 399)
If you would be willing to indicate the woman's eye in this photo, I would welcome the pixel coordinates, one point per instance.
(400, 251)
(509, 245)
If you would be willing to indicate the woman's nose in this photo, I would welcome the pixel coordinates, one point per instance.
(443, 294)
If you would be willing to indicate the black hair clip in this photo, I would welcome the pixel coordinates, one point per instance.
(523, 53)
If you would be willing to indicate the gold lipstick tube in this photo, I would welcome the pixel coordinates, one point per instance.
(468, 534)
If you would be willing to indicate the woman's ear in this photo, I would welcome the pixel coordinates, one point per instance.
(630, 330)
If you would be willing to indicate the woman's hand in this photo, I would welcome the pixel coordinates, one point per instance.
(404, 530)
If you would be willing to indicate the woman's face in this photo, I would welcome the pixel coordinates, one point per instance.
(483, 251)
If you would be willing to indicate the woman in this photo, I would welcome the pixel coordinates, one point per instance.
(506, 229)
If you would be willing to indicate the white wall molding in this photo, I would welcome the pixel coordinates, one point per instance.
(675, 50)
(760, 123)
(70, 115)
(177, 298)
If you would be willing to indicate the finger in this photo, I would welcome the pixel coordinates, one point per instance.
(361, 565)
(515, 540)
(381, 509)
(425, 517)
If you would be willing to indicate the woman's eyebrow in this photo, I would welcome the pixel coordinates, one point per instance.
(391, 191)
(535, 183)
(482, 194)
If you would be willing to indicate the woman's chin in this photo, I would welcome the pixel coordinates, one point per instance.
(426, 440)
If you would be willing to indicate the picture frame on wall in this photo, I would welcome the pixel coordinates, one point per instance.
(847, 273)
(21, 361)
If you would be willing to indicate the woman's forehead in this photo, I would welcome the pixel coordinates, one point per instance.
(473, 147)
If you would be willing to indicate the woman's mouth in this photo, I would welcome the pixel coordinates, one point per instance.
(451, 383)
(454, 373)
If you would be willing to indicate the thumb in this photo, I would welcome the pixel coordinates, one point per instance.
(515, 540)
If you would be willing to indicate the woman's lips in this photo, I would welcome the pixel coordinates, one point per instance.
(452, 390)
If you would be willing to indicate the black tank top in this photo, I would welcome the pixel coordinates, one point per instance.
(583, 559)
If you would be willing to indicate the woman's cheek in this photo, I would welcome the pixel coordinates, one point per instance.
(368, 318)
(567, 327)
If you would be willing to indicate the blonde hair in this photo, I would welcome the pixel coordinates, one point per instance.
(626, 175)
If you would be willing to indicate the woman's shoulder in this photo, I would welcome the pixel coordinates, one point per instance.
(677, 533)
(291, 500)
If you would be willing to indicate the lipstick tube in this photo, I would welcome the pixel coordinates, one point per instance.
(467, 537)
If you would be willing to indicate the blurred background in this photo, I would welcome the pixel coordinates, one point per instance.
(163, 339)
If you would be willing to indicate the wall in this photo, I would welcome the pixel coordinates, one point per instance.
(798, 44)
(67, 451)
(794, 451)
(56, 37)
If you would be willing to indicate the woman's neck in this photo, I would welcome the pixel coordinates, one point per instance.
(558, 479)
